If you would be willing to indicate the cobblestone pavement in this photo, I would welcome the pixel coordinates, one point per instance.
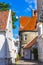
(21, 62)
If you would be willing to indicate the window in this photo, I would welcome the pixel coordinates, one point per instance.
(41, 16)
(25, 37)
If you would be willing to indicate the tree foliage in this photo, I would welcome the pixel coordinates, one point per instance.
(4, 7)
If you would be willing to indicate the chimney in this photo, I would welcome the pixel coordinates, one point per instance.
(34, 12)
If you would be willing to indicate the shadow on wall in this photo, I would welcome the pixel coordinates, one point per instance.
(4, 52)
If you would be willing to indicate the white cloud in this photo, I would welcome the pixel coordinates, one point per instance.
(29, 2)
(30, 6)
(28, 9)
(35, 4)
(26, 0)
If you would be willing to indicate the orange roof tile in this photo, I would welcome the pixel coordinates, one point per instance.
(28, 23)
(31, 43)
(3, 19)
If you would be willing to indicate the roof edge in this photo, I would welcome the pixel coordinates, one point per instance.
(8, 18)
(28, 31)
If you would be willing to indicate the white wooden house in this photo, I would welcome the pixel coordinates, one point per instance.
(6, 35)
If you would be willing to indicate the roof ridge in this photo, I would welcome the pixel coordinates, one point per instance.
(29, 23)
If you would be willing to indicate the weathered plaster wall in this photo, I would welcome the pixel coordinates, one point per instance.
(30, 36)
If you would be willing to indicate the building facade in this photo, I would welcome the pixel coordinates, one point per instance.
(6, 35)
(40, 31)
(28, 35)
(39, 4)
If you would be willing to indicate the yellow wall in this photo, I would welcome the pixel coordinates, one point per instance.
(30, 36)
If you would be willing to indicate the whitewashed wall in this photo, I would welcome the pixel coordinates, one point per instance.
(9, 36)
(40, 49)
(40, 42)
(2, 45)
(6, 42)
(26, 53)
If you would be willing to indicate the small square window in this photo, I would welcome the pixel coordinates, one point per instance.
(25, 37)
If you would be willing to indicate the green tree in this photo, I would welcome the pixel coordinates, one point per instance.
(4, 7)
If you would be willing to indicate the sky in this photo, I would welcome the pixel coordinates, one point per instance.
(22, 8)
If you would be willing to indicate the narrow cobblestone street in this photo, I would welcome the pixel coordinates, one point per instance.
(23, 62)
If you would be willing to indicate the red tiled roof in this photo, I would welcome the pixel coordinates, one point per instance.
(3, 19)
(31, 43)
(28, 23)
